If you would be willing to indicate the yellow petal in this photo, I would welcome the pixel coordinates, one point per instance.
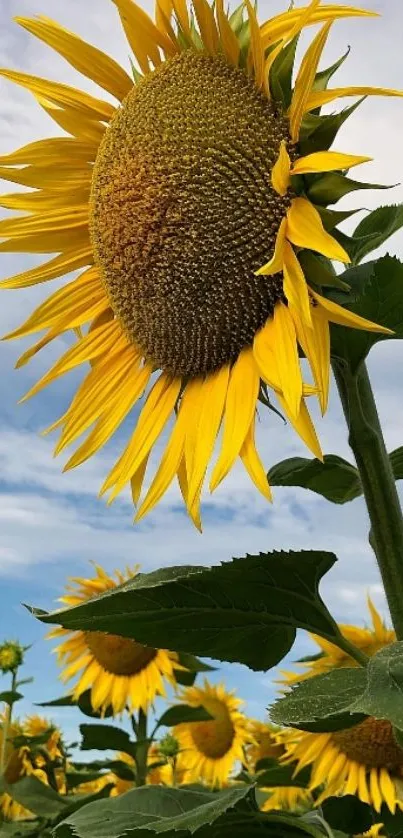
(275, 265)
(326, 161)
(211, 406)
(322, 97)
(295, 287)
(377, 622)
(46, 222)
(240, 406)
(288, 34)
(280, 173)
(343, 317)
(352, 781)
(278, 26)
(85, 58)
(62, 94)
(280, 331)
(136, 480)
(362, 784)
(207, 26)
(54, 149)
(305, 229)
(388, 789)
(229, 41)
(33, 350)
(73, 122)
(65, 178)
(163, 13)
(41, 200)
(376, 797)
(315, 343)
(253, 463)
(144, 37)
(304, 427)
(157, 410)
(90, 346)
(174, 450)
(305, 79)
(63, 264)
(51, 242)
(256, 52)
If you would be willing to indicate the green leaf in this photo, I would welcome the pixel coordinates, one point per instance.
(183, 713)
(335, 479)
(37, 797)
(393, 824)
(105, 737)
(83, 703)
(246, 610)
(375, 229)
(330, 187)
(383, 695)
(377, 294)
(319, 132)
(348, 814)
(331, 218)
(32, 741)
(193, 665)
(98, 767)
(283, 775)
(10, 696)
(323, 703)
(79, 801)
(151, 809)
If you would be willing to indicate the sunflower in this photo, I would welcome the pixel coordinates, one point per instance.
(119, 672)
(37, 726)
(185, 204)
(265, 744)
(17, 765)
(364, 760)
(209, 750)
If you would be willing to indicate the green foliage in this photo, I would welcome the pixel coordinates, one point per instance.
(393, 824)
(97, 768)
(83, 703)
(37, 797)
(246, 610)
(377, 294)
(193, 665)
(320, 271)
(335, 479)
(183, 713)
(10, 696)
(375, 229)
(330, 187)
(274, 774)
(281, 74)
(319, 131)
(231, 813)
(105, 737)
(348, 814)
(382, 697)
(323, 703)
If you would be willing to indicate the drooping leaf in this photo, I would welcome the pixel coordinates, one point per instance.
(105, 737)
(331, 186)
(75, 802)
(193, 665)
(347, 813)
(375, 229)
(283, 775)
(99, 766)
(10, 696)
(323, 703)
(183, 713)
(335, 479)
(383, 694)
(83, 703)
(246, 610)
(151, 809)
(37, 797)
(377, 294)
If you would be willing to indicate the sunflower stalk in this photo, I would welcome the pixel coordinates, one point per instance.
(7, 722)
(140, 728)
(367, 443)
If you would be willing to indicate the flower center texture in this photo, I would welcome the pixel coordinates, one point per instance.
(371, 743)
(119, 655)
(214, 738)
(183, 212)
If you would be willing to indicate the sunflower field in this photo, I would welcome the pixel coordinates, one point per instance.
(210, 280)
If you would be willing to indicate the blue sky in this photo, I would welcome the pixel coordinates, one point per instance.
(52, 524)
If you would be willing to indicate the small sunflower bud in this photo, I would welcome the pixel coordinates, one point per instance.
(168, 746)
(11, 656)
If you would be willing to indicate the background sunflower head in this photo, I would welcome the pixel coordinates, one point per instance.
(185, 205)
(119, 672)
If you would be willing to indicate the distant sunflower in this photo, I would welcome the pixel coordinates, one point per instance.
(364, 760)
(210, 750)
(187, 206)
(266, 745)
(36, 726)
(119, 672)
(17, 765)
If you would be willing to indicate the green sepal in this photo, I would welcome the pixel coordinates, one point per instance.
(331, 218)
(137, 75)
(328, 188)
(318, 270)
(323, 77)
(335, 479)
(323, 703)
(319, 132)
(281, 74)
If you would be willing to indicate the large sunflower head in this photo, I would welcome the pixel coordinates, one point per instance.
(119, 672)
(266, 744)
(210, 750)
(364, 760)
(187, 204)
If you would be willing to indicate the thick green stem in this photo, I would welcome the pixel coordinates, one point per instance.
(142, 749)
(355, 653)
(378, 483)
(6, 725)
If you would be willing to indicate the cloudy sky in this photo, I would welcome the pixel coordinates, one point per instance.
(52, 524)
